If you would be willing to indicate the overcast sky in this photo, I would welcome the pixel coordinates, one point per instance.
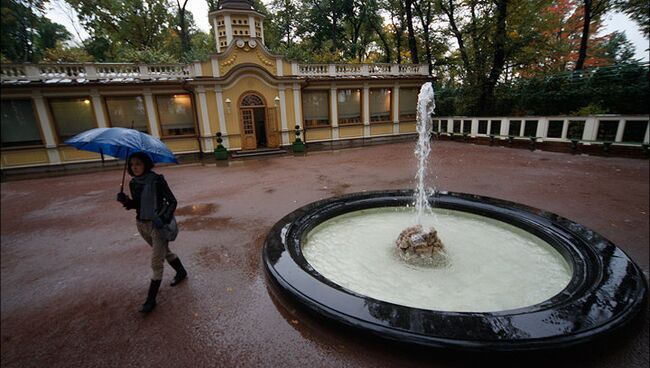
(199, 8)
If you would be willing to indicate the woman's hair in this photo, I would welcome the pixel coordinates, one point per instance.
(148, 164)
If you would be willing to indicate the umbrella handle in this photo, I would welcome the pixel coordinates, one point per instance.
(126, 162)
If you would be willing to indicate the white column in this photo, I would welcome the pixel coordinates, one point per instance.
(262, 29)
(366, 110)
(97, 107)
(154, 130)
(505, 125)
(591, 129)
(205, 120)
(198, 70)
(395, 108)
(216, 34)
(279, 68)
(222, 116)
(228, 22)
(297, 104)
(619, 130)
(474, 129)
(215, 68)
(542, 128)
(565, 129)
(251, 26)
(283, 114)
(46, 128)
(334, 112)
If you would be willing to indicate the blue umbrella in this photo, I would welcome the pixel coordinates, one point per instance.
(120, 143)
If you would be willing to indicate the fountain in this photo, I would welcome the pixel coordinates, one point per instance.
(508, 277)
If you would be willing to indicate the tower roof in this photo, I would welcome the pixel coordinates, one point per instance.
(235, 4)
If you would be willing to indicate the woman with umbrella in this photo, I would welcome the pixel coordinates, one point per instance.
(154, 204)
(151, 197)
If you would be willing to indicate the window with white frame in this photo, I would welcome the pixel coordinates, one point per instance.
(408, 100)
(19, 124)
(176, 114)
(72, 116)
(127, 111)
(348, 106)
(380, 105)
(315, 108)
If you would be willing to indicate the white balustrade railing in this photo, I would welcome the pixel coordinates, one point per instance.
(80, 72)
(313, 69)
(344, 70)
(597, 129)
(54, 72)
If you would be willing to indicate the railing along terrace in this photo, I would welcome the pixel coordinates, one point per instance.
(81, 72)
(597, 129)
(346, 70)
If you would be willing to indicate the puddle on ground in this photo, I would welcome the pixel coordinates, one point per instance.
(201, 209)
(207, 223)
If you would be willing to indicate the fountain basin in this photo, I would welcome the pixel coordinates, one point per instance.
(605, 291)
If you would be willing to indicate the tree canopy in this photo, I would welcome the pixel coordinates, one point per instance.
(473, 47)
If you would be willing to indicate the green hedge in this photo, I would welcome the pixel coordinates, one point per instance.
(619, 89)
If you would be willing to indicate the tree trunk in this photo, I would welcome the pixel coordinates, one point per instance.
(409, 24)
(582, 54)
(449, 10)
(425, 19)
(383, 39)
(184, 36)
(486, 101)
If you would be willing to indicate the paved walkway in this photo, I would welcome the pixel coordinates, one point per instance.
(74, 269)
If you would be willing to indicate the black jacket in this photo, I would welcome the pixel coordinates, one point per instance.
(166, 202)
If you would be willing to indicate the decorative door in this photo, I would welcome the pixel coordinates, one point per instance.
(272, 133)
(248, 141)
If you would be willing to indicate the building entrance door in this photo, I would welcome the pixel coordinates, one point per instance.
(253, 118)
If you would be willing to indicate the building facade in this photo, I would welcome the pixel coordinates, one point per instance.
(253, 97)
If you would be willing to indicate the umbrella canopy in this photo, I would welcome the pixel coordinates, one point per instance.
(122, 142)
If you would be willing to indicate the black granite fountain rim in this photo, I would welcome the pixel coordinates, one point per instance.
(606, 290)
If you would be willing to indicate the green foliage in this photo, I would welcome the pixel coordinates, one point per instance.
(26, 33)
(638, 10)
(591, 109)
(620, 89)
(63, 54)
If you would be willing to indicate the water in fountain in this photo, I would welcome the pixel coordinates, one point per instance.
(420, 244)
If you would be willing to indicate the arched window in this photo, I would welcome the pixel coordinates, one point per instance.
(252, 100)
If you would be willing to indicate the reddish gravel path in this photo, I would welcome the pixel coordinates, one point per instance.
(74, 270)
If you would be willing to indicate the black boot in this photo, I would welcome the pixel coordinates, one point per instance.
(181, 274)
(150, 303)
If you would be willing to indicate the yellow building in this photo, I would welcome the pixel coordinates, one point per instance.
(254, 98)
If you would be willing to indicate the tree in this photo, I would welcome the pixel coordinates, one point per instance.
(591, 11)
(285, 20)
(413, 46)
(26, 33)
(397, 24)
(183, 29)
(61, 53)
(130, 26)
(638, 10)
(424, 10)
(618, 49)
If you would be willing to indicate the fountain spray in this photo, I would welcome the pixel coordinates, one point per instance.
(415, 243)
(425, 108)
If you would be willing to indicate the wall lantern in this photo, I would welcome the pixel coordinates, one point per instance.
(228, 103)
(276, 101)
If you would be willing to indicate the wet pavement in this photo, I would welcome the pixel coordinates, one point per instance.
(74, 270)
